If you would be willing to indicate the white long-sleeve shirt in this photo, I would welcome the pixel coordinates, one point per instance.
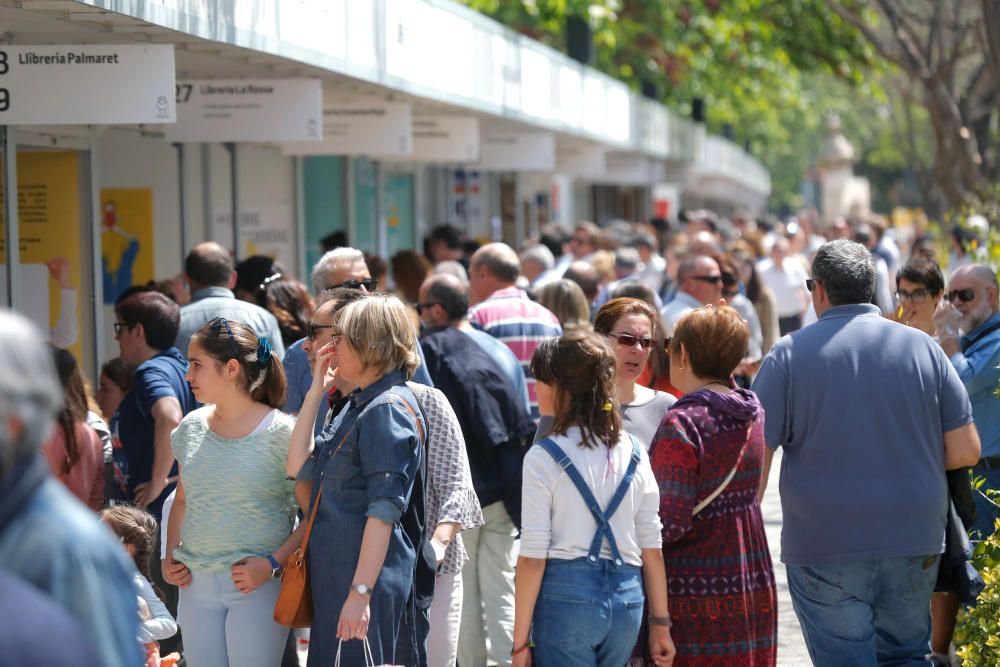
(555, 520)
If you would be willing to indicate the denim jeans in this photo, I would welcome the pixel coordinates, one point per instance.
(223, 626)
(587, 615)
(865, 612)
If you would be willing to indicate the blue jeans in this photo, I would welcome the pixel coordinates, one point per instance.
(865, 612)
(223, 626)
(986, 511)
(587, 615)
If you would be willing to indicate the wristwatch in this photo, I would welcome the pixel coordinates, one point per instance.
(276, 569)
(361, 589)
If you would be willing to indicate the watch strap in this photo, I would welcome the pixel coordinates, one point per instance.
(275, 565)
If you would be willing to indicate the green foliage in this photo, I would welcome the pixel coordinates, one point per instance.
(772, 69)
(978, 631)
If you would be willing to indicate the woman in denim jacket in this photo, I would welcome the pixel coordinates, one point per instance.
(367, 539)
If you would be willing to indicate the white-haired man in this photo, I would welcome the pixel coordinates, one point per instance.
(47, 537)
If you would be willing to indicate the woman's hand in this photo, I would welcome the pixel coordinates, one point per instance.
(324, 372)
(249, 573)
(354, 617)
(661, 646)
(175, 572)
(522, 659)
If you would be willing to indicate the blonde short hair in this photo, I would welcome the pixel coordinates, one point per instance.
(379, 330)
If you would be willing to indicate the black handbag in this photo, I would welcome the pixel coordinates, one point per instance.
(956, 575)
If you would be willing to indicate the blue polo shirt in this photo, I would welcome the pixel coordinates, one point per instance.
(860, 406)
(978, 364)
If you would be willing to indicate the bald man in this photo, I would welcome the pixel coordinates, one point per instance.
(211, 277)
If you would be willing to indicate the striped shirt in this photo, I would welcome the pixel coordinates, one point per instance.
(510, 316)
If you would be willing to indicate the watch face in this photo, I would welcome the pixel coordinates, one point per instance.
(276, 573)
(362, 589)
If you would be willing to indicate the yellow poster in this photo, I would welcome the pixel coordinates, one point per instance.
(49, 217)
(126, 239)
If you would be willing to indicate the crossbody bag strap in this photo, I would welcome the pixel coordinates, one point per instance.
(319, 494)
(729, 478)
(420, 429)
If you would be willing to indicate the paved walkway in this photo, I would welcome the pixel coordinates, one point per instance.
(791, 648)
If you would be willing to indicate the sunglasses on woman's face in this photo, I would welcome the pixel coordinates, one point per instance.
(628, 340)
(966, 295)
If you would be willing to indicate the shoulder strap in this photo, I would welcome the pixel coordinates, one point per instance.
(319, 494)
(420, 429)
(979, 336)
(729, 478)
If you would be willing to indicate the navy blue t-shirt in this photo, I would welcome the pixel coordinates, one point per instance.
(133, 428)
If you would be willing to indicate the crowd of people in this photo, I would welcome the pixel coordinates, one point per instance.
(554, 456)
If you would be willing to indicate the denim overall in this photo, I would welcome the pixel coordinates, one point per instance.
(589, 609)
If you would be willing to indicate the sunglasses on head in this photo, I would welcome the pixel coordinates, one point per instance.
(313, 329)
(966, 295)
(369, 284)
(216, 327)
(628, 340)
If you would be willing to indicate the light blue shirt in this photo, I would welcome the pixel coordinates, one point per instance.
(682, 304)
(860, 405)
(211, 302)
(978, 368)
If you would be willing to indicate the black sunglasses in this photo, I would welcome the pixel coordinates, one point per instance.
(313, 329)
(216, 327)
(122, 325)
(420, 307)
(811, 284)
(370, 284)
(967, 295)
(715, 280)
(628, 340)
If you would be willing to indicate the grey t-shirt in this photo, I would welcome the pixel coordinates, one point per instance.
(860, 406)
(643, 419)
(638, 419)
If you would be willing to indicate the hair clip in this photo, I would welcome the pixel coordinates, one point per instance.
(607, 407)
(267, 281)
(263, 352)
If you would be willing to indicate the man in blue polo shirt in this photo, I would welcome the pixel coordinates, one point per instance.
(869, 413)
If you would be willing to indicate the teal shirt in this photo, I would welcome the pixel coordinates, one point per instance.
(238, 501)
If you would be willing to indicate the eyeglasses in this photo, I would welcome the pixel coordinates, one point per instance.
(666, 344)
(628, 340)
(216, 326)
(369, 284)
(811, 284)
(916, 296)
(420, 307)
(729, 294)
(122, 325)
(967, 295)
(715, 280)
(313, 329)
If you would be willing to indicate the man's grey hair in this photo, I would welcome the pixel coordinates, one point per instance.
(846, 270)
(330, 262)
(540, 255)
(627, 258)
(450, 267)
(29, 388)
(449, 292)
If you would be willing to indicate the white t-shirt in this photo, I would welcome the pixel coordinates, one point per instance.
(788, 284)
(555, 520)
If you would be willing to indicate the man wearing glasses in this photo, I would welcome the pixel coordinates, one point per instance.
(699, 281)
(967, 322)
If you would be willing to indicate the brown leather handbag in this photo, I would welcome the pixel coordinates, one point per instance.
(294, 608)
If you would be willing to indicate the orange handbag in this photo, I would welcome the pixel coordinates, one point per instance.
(294, 607)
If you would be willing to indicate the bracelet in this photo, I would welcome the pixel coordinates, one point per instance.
(665, 621)
(524, 647)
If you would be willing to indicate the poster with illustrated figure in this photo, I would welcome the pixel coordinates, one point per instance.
(48, 191)
(126, 239)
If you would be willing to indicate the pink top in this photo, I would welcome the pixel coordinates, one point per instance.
(86, 478)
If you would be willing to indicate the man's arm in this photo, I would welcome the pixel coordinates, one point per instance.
(167, 414)
(961, 447)
(765, 474)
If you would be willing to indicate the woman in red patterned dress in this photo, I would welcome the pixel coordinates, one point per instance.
(721, 581)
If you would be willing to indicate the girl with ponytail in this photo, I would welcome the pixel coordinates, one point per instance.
(230, 527)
